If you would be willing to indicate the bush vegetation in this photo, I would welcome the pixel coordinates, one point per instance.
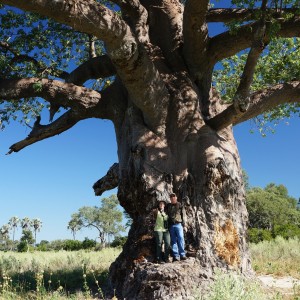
(272, 213)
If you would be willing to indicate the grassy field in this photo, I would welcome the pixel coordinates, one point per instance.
(82, 275)
(54, 275)
(279, 257)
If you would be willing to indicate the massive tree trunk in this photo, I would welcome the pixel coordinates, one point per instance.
(203, 169)
(173, 132)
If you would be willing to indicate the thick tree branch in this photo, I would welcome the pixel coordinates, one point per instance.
(110, 107)
(86, 16)
(195, 35)
(40, 132)
(136, 16)
(226, 15)
(240, 100)
(260, 102)
(107, 182)
(227, 44)
(167, 15)
(132, 63)
(98, 67)
(54, 91)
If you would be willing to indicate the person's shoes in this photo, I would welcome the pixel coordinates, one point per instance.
(176, 259)
(168, 260)
(183, 258)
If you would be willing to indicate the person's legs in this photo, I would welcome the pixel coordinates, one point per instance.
(167, 245)
(174, 241)
(158, 241)
(180, 239)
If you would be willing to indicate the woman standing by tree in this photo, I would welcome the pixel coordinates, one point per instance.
(161, 232)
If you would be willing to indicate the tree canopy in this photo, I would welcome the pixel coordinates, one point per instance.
(106, 219)
(272, 212)
(40, 49)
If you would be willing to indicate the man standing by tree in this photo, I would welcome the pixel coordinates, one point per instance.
(174, 211)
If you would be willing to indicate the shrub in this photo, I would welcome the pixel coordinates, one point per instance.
(286, 231)
(72, 245)
(119, 241)
(256, 235)
(88, 243)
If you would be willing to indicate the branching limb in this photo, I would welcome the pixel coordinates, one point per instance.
(260, 102)
(195, 35)
(226, 15)
(107, 182)
(133, 65)
(108, 107)
(227, 44)
(241, 99)
(54, 91)
(136, 16)
(166, 25)
(98, 67)
(86, 16)
(40, 132)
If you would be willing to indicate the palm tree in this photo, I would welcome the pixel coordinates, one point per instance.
(4, 231)
(36, 224)
(26, 223)
(13, 223)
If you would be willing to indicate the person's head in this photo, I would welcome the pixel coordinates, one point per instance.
(161, 205)
(173, 198)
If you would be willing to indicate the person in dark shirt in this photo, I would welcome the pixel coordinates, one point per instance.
(174, 211)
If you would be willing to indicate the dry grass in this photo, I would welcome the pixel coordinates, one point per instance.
(279, 257)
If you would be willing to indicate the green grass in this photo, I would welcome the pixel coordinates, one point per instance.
(82, 275)
(54, 275)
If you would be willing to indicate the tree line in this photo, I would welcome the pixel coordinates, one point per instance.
(29, 227)
(272, 212)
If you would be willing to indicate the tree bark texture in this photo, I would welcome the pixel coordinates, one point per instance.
(203, 169)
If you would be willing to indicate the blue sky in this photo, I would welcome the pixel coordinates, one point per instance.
(51, 179)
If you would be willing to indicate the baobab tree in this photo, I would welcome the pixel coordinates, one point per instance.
(148, 66)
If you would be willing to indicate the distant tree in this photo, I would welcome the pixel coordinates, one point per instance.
(119, 241)
(14, 223)
(106, 219)
(43, 245)
(25, 241)
(72, 245)
(88, 243)
(246, 180)
(4, 231)
(128, 219)
(37, 225)
(26, 223)
(75, 224)
(271, 207)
